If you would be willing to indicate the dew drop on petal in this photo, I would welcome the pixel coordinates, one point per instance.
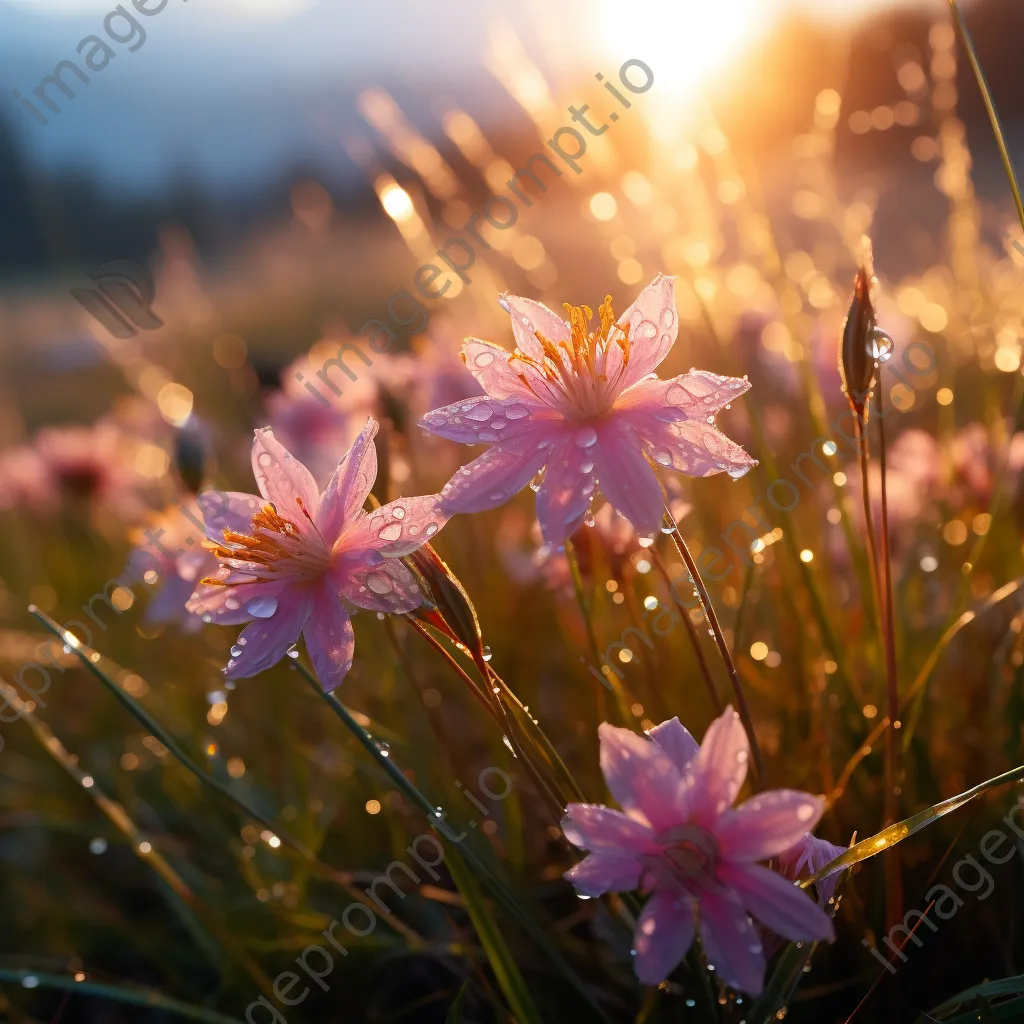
(266, 459)
(431, 529)
(880, 345)
(517, 412)
(484, 359)
(738, 472)
(378, 583)
(479, 413)
(805, 812)
(398, 512)
(585, 437)
(236, 651)
(663, 459)
(262, 607)
(391, 532)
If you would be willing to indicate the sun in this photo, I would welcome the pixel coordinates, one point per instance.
(686, 42)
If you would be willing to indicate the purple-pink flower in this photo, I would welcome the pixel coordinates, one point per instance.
(294, 560)
(584, 407)
(807, 858)
(679, 839)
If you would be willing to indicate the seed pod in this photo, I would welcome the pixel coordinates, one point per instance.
(856, 364)
(450, 599)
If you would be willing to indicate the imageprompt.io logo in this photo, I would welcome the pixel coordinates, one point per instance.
(123, 298)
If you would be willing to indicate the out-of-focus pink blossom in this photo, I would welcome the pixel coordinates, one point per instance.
(678, 838)
(292, 560)
(172, 547)
(807, 857)
(586, 407)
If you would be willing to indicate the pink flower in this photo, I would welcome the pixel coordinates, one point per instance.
(293, 561)
(585, 407)
(807, 858)
(172, 547)
(679, 838)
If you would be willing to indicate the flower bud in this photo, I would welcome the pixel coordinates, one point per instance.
(856, 364)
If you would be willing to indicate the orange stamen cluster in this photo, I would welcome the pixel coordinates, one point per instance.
(577, 367)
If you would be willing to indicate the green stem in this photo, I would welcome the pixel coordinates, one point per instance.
(730, 666)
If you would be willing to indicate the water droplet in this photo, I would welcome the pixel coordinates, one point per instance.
(391, 532)
(585, 436)
(537, 480)
(484, 359)
(385, 749)
(486, 654)
(398, 512)
(663, 459)
(293, 652)
(236, 652)
(266, 459)
(207, 617)
(517, 412)
(588, 519)
(262, 607)
(479, 413)
(738, 472)
(379, 583)
(880, 345)
(431, 529)
(98, 845)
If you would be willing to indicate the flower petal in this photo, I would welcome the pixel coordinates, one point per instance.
(641, 777)
(487, 419)
(694, 395)
(264, 641)
(604, 829)
(653, 325)
(565, 494)
(731, 943)
(718, 770)
(777, 903)
(380, 586)
(767, 824)
(284, 480)
(350, 485)
(675, 739)
(664, 933)
(528, 317)
(599, 873)
(227, 510)
(497, 475)
(224, 603)
(489, 363)
(330, 639)
(626, 477)
(393, 530)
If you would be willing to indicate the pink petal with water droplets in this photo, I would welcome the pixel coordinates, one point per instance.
(694, 395)
(393, 530)
(284, 480)
(329, 638)
(767, 824)
(731, 943)
(626, 478)
(641, 777)
(591, 827)
(498, 474)
(599, 873)
(265, 640)
(697, 449)
(675, 739)
(664, 932)
(382, 586)
(777, 903)
(718, 770)
(486, 419)
(489, 363)
(349, 486)
(653, 325)
(528, 317)
(226, 605)
(227, 510)
(566, 491)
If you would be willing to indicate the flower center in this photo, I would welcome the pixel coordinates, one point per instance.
(687, 861)
(585, 370)
(274, 549)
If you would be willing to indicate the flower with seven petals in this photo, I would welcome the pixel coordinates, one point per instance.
(679, 839)
(585, 407)
(292, 561)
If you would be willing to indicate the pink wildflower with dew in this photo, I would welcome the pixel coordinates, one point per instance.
(679, 839)
(294, 560)
(585, 407)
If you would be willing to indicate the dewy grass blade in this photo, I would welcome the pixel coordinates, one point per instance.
(510, 980)
(118, 994)
(894, 834)
(498, 888)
